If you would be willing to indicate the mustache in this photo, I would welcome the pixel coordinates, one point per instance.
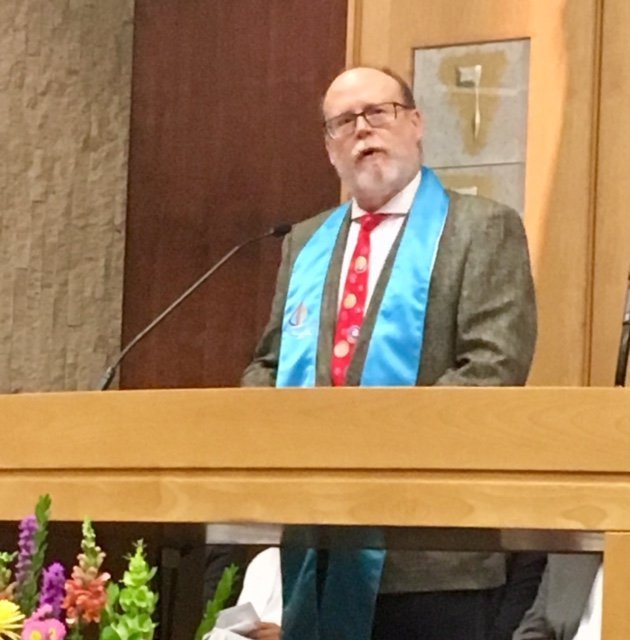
(362, 148)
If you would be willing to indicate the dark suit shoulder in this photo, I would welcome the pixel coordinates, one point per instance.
(474, 218)
(473, 210)
(477, 208)
(301, 232)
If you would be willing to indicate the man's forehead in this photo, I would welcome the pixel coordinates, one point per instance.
(363, 84)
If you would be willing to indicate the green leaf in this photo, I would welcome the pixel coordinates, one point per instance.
(109, 633)
(217, 603)
(6, 559)
(43, 507)
(109, 614)
(75, 633)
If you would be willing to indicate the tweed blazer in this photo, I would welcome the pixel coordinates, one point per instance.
(480, 329)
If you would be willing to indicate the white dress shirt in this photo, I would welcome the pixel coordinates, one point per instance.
(382, 237)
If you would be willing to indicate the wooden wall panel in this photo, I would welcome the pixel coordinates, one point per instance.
(560, 181)
(225, 141)
(612, 230)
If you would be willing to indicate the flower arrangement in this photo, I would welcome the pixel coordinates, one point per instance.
(41, 603)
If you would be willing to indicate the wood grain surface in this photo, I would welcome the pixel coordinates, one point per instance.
(523, 458)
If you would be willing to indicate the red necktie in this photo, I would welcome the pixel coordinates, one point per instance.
(353, 299)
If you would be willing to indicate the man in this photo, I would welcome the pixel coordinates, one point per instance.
(436, 292)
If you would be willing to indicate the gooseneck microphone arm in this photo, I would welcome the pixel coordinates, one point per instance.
(277, 232)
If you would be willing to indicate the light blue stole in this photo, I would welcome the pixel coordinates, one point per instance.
(338, 603)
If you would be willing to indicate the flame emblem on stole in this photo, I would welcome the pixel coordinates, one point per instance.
(298, 317)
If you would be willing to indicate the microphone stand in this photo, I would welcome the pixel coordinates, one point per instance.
(110, 372)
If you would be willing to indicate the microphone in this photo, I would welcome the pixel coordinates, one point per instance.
(624, 344)
(278, 231)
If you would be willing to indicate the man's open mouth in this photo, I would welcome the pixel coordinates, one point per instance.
(366, 153)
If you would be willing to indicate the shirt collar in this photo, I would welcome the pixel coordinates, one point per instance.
(400, 203)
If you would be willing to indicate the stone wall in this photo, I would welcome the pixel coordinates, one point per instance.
(65, 79)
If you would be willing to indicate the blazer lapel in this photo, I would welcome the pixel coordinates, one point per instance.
(328, 318)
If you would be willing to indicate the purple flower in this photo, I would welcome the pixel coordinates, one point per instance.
(26, 545)
(53, 588)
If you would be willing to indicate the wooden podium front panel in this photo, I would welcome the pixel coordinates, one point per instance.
(522, 458)
(421, 429)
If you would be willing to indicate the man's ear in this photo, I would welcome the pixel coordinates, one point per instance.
(330, 151)
(418, 121)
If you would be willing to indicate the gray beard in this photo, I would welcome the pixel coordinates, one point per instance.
(378, 185)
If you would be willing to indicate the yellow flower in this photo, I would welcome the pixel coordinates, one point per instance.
(11, 619)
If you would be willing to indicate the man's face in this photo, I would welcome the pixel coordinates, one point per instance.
(375, 163)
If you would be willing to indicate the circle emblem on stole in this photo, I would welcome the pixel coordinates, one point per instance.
(360, 264)
(342, 348)
(353, 334)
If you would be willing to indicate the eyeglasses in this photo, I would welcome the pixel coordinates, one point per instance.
(376, 115)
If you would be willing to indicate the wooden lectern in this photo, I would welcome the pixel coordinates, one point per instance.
(504, 459)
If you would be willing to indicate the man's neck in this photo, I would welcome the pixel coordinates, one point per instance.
(374, 201)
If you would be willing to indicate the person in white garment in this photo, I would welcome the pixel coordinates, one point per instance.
(569, 602)
(262, 587)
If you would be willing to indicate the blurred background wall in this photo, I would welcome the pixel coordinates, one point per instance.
(65, 85)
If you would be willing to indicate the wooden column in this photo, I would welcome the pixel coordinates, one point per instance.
(616, 615)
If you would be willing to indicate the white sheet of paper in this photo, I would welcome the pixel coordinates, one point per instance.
(223, 634)
(239, 619)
